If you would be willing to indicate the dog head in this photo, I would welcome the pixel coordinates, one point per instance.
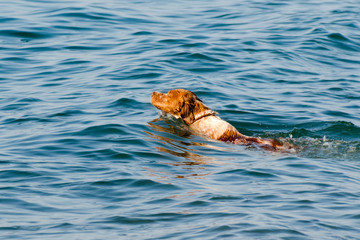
(180, 103)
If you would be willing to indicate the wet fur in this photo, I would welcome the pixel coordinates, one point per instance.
(201, 119)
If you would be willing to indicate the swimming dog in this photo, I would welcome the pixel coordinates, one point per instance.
(202, 120)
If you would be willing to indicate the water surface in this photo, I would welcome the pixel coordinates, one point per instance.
(84, 155)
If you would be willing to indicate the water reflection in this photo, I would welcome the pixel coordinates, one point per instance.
(180, 142)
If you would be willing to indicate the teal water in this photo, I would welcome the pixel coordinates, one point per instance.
(84, 155)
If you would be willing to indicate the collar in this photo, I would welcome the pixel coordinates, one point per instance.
(206, 113)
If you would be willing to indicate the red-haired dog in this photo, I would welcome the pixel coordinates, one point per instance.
(201, 119)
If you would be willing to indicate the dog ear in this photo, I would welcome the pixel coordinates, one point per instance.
(186, 114)
(187, 110)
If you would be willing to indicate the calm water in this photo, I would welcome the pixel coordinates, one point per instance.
(84, 155)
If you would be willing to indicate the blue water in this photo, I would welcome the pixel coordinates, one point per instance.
(84, 155)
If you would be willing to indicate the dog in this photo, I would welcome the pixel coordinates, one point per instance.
(185, 105)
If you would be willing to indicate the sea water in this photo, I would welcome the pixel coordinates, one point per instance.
(84, 155)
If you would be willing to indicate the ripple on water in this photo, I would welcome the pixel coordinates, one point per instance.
(103, 130)
(25, 34)
(85, 155)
